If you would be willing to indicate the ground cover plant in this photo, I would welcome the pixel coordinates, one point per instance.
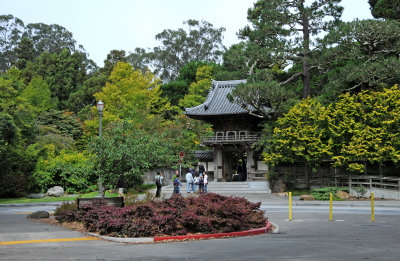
(208, 213)
(323, 193)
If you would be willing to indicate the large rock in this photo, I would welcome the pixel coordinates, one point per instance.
(39, 214)
(343, 195)
(306, 197)
(56, 191)
(36, 195)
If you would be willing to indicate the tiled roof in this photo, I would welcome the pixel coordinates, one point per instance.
(216, 102)
(204, 154)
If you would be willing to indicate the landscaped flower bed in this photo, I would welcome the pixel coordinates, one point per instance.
(208, 213)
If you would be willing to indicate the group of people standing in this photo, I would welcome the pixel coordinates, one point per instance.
(195, 179)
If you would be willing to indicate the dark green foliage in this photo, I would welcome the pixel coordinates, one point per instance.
(285, 29)
(25, 53)
(267, 98)
(66, 206)
(65, 73)
(387, 9)
(174, 91)
(61, 123)
(202, 42)
(8, 130)
(360, 56)
(209, 213)
(11, 29)
(49, 38)
(83, 97)
(113, 58)
(126, 151)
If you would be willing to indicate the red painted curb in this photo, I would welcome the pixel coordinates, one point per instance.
(252, 232)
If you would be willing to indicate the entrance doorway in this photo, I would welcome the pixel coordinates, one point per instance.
(239, 166)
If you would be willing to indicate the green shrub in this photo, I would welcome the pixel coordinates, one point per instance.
(361, 191)
(66, 206)
(323, 193)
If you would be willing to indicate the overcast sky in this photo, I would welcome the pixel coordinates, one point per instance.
(103, 25)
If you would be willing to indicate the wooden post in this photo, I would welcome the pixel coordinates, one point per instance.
(330, 206)
(290, 206)
(370, 184)
(350, 183)
(372, 207)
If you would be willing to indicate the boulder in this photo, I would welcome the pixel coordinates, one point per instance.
(343, 195)
(56, 191)
(306, 197)
(39, 214)
(36, 195)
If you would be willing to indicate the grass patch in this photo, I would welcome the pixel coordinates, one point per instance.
(53, 199)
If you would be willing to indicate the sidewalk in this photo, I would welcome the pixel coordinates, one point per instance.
(265, 199)
(273, 199)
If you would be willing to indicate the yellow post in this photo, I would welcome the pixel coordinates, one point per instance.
(372, 207)
(290, 206)
(330, 207)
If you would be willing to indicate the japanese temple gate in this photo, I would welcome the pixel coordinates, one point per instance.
(235, 131)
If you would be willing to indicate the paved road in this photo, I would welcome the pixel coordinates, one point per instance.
(310, 236)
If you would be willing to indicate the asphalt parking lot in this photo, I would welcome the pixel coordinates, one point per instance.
(309, 236)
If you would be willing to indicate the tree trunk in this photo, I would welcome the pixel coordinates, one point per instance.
(306, 52)
(307, 175)
(380, 170)
(365, 168)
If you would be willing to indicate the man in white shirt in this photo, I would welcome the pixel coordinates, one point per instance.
(189, 180)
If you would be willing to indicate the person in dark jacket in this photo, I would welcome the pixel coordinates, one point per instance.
(159, 182)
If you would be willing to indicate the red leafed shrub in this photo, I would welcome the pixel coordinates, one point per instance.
(208, 213)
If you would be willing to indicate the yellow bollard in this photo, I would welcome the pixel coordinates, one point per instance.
(372, 207)
(290, 206)
(330, 207)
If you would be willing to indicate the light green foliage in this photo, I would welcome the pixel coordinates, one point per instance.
(38, 95)
(69, 169)
(301, 135)
(130, 94)
(358, 128)
(198, 90)
(324, 193)
(365, 127)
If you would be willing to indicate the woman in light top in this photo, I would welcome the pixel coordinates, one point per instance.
(205, 181)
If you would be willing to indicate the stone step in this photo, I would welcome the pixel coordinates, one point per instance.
(229, 187)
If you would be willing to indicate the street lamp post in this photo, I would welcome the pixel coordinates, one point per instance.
(100, 107)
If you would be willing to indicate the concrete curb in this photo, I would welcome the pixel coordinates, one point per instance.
(144, 240)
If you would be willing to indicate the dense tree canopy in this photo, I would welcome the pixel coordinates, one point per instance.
(287, 29)
(362, 55)
(202, 42)
(388, 9)
(49, 89)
